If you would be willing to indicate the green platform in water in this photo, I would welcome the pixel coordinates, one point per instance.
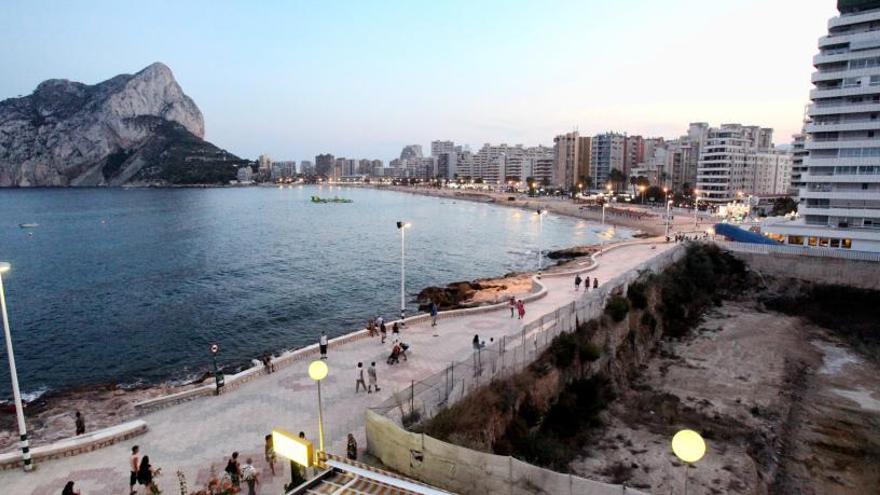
(334, 199)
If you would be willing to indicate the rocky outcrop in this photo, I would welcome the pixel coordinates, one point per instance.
(137, 128)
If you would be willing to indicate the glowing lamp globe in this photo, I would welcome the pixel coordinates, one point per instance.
(688, 446)
(318, 370)
(4, 266)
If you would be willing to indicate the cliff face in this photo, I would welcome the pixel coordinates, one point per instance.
(137, 128)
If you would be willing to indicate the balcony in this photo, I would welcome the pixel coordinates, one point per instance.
(862, 90)
(863, 39)
(864, 107)
(847, 20)
(864, 125)
(818, 144)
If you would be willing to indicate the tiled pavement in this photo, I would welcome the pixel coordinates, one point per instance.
(196, 435)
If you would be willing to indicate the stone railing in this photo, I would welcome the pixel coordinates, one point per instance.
(77, 445)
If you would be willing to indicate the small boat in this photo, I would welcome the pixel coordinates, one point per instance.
(28, 225)
(334, 199)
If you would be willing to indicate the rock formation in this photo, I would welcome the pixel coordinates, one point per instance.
(131, 129)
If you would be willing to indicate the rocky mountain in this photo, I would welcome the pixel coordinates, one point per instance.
(131, 129)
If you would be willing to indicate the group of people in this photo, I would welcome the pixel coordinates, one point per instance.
(586, 282)
(142, 473)
(247, 472)
(376, 326)
(517, 307)
(371, 377)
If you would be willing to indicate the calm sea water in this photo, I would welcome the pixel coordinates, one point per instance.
(132, 286)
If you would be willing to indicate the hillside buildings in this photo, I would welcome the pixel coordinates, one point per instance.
(838, 179)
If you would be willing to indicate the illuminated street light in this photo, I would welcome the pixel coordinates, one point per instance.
(402, 226)
(16, 393)
(688, 446)
(318, 371)
(541, 214)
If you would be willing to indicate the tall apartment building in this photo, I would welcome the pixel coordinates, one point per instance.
(633, 153)
(264, 163)
(839, 193)
(324, 164)
(730, 159)
(411, 151)
(444, 152)
(607, 155)
(306, 168)
(585, 155)
(798, 153)
(567, 160)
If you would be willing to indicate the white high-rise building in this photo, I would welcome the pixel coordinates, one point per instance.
(839, 193)
(729, 160)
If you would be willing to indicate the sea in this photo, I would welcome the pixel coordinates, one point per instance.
(131, 287)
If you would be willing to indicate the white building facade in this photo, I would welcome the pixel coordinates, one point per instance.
(839, 181)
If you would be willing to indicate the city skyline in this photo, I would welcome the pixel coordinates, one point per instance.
(297, 80)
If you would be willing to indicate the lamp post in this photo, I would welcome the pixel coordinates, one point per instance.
(690, 447)
(642, 190)
(16, 393)
(402, 226)
(218, 377)
(665, 193)
(668, 206)
(696, 200)
(604, 205)
(318, 371)
(541, 214)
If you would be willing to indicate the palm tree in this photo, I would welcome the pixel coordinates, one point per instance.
(616, 178)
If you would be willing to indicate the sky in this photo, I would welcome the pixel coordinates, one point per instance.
(363, 78)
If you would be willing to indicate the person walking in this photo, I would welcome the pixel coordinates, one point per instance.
(359, 381)
(134, 462)
(577, 282)
(433, 314)
(595, 282)
(322, 343)
(521, 309)
(80, 423)
(383, 331)
(269, 451)
(68, 489)
(371, 329)
(249, 475)
(395, 331)
(146, 473)
(371, 376)
(352, 449)
(587, 283)
(233, 468)
(512, 304)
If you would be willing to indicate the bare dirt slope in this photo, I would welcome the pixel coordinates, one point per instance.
(784, 408)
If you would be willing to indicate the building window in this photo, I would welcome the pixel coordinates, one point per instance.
(846, 243)
(812, 241)
(823, 242)
(835, 243)
(796, 240)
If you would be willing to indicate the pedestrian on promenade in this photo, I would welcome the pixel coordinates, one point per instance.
(577, 282)
(380, 321)
(595, 282)
(359, 381)
(383, 331)
(80, 423)
(512, 304)
(269, 450)
(395, 331)
(68, 489)
(521, 308)
(587, 283)
(371, 328)
(371, 376)
(476, 342)
(433, 314)
(322, 343)
(352, 450)
(267, 363)
(145, 475)
(134, 462)
(249, 475)
(233, 468)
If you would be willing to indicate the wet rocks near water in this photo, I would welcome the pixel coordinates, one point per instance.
(478, 292)
(572, 252)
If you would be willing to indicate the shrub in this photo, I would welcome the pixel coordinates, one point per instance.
(589, 352)
(649, 321)
(617, 308)
(637, 294)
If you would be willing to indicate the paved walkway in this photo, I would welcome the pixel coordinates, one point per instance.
(196, 435)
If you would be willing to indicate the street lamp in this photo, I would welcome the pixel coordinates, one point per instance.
(402, 226)
(541, 213)
(688, 446)
(642, 190)
(608, 187)
(668, 205)
(318, 371)
(16, 393)
(665, 193)
(604, 205)
(696, 200)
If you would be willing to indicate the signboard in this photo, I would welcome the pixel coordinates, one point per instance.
(296, 449)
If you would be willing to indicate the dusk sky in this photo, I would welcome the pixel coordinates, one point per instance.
(361, 79)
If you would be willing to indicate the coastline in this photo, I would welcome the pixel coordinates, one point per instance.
(51, 416)
(650, 224)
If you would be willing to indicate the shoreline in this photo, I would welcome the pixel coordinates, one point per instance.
(650, 224)
(51, 415)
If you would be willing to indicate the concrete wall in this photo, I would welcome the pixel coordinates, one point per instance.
(853, 273)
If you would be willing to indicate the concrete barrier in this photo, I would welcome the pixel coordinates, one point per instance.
(77, 445)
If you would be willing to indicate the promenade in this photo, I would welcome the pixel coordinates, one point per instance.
(196, 435)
